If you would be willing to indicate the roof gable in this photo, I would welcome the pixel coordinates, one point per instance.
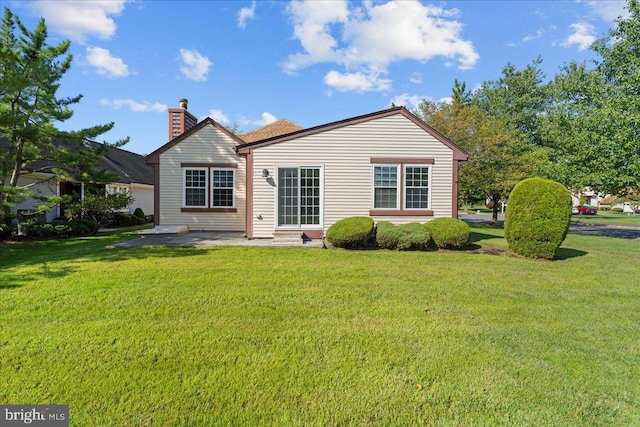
(275, 129)
(154, 157)
(458, 153)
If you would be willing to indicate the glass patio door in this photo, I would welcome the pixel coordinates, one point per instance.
(299, 196)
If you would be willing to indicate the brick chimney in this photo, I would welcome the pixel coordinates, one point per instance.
(180, 120)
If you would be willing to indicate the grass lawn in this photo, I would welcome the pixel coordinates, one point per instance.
(299, 336)
(604, 217)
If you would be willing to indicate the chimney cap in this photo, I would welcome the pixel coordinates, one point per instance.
(183, 103)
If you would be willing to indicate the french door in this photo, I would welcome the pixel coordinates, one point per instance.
(299, 196)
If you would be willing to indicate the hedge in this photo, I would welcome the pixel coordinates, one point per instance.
(448, 233)
(353, 232)
(412, 236)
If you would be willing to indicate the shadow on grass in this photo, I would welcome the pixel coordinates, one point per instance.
(566, 253)
(476, 237)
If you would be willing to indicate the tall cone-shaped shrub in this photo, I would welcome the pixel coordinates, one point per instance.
(537, 217)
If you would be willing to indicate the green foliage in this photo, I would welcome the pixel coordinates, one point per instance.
(352, 232)
(99, 208)
(538, 218)
(412, 236)
(140, 213)
(30, 77)
(449, 233)
(62, 228)
(122, 219)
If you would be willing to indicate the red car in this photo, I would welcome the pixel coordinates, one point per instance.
(587, 210)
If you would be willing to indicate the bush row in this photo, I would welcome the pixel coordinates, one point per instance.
(62, 228)
(357, 232)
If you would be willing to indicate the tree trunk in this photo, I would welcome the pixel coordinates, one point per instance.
(494, 215)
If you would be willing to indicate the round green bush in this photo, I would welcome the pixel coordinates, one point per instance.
(387, 235)
(448, 233)
(405, 237)
(538, 218)
(140, 213)
(352, 232)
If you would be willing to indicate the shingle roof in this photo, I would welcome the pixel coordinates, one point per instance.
(130, 167)
(281, 127)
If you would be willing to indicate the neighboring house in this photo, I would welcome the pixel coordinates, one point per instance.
(388, 165)
(135, 176)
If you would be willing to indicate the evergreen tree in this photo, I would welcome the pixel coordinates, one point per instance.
(30, 74)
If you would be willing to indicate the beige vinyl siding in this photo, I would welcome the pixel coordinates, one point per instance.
(44, 186)
(208, 145)
(345, 155)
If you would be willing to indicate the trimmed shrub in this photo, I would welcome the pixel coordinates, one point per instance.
(448, 233)
(61, 228)
(387, 235)
(352, 232)
(404, 237)
(5, 231)
(91, 225)
(140, 214)
(121, 219)
(538, 218)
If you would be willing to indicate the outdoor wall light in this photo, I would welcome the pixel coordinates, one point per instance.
(265, 173)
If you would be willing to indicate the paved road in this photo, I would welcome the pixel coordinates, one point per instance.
(623, 231)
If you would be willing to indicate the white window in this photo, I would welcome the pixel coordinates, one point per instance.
(416, 186)
(386, 193)
(299, 196)
(222, 185)
(195, 187)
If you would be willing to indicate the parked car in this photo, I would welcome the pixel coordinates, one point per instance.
(587, 210)
(574, 210)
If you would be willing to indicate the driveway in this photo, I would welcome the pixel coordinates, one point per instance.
(610, 230)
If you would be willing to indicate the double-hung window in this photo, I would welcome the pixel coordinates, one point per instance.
(209, 188)
(402, 188)
(195, 188)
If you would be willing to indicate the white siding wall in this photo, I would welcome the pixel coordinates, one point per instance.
(44, 186)
(208, 145)
(345, 154)
(143, 198)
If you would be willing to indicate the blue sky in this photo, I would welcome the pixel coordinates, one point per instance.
(311, 62)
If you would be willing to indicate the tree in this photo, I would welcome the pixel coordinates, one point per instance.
(496, 160)
(30, 74)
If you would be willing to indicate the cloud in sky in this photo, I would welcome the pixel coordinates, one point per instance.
(218, 116)
(105, 64)
(409, 101)
(134, 106)
(195, 66)
(609, 10)
(366, 40)
(79, 20)
(583, 36)
(245, 14)
(265, 119)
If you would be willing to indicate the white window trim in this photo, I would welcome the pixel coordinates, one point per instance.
(184, 188)
(404, 186)
(233, 188)
(398, 167)
(275, 204)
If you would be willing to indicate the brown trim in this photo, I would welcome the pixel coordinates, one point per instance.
(249, 196)
(154, 157)
(156, 194)
(310, 234)
(458, 153)
(209, 165)
(393, 212)
(405, 160)
(454, 190)
(208, 210)
(313, 234)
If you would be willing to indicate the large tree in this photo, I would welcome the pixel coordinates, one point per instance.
(30, 74)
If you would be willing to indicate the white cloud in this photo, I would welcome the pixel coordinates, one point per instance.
(105, 64)
(537, 35)
(366, 40)
(245, 14)
(134, 106)
(609, 10)
(194, 66)
(79, 19)
(583, 36)
(267, 119)
(218, 116)
(356, 82)
(409, 101)
(416, 78)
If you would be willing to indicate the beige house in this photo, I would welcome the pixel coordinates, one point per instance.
(388, 165)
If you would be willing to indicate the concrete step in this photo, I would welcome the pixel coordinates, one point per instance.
(287, 238)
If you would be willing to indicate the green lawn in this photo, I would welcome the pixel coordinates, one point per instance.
(604, 217)
(299, 336)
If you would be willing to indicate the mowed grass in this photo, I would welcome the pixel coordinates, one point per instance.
(299, 336)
